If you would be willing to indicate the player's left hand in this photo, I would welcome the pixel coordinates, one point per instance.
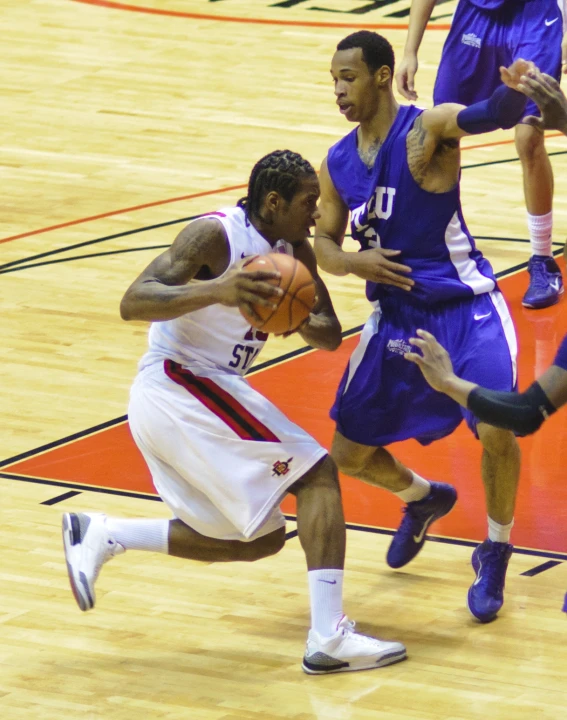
(434, 362)
(511, 76)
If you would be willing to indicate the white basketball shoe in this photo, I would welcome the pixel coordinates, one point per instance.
(347, 650)
(87, 547)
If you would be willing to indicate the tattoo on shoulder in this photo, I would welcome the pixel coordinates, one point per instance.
(415, 149)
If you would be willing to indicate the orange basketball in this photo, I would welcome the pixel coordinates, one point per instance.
(297, 301)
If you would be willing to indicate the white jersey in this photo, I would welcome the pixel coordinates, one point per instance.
(217, 336)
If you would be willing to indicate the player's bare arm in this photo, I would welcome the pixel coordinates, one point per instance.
(200, 251)
(420, 14)
(433, 142)
(375, 264)
(322, 328)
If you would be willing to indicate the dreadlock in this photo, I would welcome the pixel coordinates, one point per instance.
(281, 171)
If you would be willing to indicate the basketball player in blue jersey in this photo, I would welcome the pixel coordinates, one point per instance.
(397, 173)
(525, 412)
(484, 35)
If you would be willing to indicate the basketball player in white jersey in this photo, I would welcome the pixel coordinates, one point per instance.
(222, 456)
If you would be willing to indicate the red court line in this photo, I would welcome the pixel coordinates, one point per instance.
(194, 195)
(251, 21)
(124, 210)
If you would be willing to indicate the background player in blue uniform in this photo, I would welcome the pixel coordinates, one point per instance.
(524, 412)
(484, 35)
(397, 173)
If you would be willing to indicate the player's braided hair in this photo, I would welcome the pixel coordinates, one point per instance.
(281, 171)
(376, 50)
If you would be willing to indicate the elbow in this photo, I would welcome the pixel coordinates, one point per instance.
(333, 339)
(126, 309)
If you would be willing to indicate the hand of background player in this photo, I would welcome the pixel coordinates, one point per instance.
(405, 76)
(548, 96)
(239, 288)
(512, 75)
(375, 266)
(434, 361)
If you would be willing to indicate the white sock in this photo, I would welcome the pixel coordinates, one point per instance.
(419, 489)
(138, 534)
(326, 593)
(499, 533)
(539, 228)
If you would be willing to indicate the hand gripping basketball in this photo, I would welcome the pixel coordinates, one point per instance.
(298, 299)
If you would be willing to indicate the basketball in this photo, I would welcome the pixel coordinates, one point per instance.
(297, 301)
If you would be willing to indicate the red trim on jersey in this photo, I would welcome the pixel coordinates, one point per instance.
(221, 403)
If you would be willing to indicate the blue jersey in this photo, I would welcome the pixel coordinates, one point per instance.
(390, 210)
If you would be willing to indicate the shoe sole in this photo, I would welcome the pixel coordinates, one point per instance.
(540, 306)
(77, 580)
(390, 659)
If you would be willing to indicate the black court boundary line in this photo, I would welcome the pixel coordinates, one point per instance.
(163, 247)
(252, 371)
(349, 526)
(22, 262)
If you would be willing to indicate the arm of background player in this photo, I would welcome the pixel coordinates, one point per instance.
(522, 413)
(330, 229)
(162, 292)
(322, 328)
(503, 110)
(420, 14)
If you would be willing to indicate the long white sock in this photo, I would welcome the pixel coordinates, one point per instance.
(540, 228)
(326, 593)
(138, 534)
(499, 533)
(419, 489)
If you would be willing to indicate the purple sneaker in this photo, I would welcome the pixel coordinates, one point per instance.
(486, 594)
(419, 515)
(546, 283)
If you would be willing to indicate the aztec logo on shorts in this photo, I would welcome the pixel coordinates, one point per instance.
(399, 347)
(281, 467)
(471, 39)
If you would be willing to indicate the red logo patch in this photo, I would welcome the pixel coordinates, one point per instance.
(281, 467)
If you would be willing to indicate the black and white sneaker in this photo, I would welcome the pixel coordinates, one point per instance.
(88, 546)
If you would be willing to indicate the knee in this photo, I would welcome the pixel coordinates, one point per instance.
(264, 547)
(349, 461)
(497, 441)
(529, 144)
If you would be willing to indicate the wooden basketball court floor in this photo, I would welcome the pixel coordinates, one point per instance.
(121, 122)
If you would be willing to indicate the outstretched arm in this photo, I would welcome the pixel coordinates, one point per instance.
(502, 110)
(420, 14)
(522, 413)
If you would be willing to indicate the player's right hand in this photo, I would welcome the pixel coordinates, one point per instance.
(239, 288)
(405, 76)
(544, 90)
(374, 265)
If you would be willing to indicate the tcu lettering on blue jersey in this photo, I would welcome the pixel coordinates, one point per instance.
(379, 207)
(390, 210)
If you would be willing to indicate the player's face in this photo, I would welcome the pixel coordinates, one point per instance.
(295, 219)
(356, 89)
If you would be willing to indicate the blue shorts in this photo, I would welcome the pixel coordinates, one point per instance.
(480, 41)
(383, 398)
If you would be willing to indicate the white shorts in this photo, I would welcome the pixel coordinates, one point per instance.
(221, 455)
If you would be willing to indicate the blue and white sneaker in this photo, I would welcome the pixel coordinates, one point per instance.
(486, 594)
(419, 515)
(546, 283)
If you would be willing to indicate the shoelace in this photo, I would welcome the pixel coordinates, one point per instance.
(539, 275)
(348, 629)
